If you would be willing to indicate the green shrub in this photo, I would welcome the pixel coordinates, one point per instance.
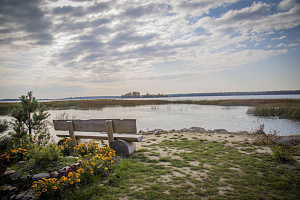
(280, 154)
(44, 154)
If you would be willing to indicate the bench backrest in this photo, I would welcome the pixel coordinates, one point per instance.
(98, 125)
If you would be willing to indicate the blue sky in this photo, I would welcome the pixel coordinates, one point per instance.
(96, 48)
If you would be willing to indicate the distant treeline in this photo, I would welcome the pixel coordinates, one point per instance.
(237, 93)
(138, 95)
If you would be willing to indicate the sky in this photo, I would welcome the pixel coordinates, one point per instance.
(75, 48)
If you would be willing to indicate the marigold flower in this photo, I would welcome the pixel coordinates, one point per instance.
(71, 182)
(78, 180)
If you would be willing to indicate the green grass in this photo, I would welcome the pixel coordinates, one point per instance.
(204, 169)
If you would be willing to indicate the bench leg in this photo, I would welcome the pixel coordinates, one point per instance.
(123, 147)
(71, 132)
(110, 132)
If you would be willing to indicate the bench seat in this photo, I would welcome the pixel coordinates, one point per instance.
(103, 136)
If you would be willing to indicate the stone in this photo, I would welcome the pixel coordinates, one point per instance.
(12, 197)
(20, 163)
(9, 172)
(15, 176)
(26, 197)
(288, 139)
(20, 196)
(54, 174)
(184, 130)
(75, 166)
(240, 132)
(197, 129)
(40, 176)
(25, 177)
(5, 190)
(12, 191)
(219, 131)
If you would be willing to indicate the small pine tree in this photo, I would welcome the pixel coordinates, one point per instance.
(29, 116)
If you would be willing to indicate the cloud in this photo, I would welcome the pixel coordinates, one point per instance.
(25, 19)
(114, 41)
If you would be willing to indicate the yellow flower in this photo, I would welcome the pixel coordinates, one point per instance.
(35, 185)
(78, 180)
(38, 194)
(71, 182)
(54, 187)
(38, 188)
(44, 190)
(106, 168)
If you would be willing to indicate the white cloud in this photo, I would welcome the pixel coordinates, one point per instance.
(91, 42)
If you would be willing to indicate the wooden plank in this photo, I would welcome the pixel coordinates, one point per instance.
(71, 131)
(110, 132)
(98, 125)
(103, 136)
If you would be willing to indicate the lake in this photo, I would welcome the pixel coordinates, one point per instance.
(179, 116)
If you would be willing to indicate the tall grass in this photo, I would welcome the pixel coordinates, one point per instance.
(284, 108)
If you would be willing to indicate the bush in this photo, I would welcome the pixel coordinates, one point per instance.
(280, 154)
(44, 154)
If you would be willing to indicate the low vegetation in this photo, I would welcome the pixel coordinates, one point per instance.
(283, 108)
(168, 166)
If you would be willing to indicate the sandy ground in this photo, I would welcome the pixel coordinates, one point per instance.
(232, 139)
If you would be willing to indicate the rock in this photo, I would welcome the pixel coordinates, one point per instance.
(20, 196)
(12, 197)
(219, 131)
(26, 197)
(54, 174)
(75, 166)
(240, 132)
(197, 129)
(5, 190)
(20, 163)
(9, 172)
(12, 191)
(289, 139)
(40, 175)
(184, 130)
(15, 177)
(25, 177)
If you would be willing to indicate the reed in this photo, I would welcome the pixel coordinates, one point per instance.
(284, 108)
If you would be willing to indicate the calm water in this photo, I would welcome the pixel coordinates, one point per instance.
(180, 116)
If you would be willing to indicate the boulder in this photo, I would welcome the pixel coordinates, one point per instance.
(197, 129)
(220, 131)
(15, 177)
(54, 174)
(289, 139)
(9, 172)
(40, 176)
(20, 163)
(25, 177)
(26, 197)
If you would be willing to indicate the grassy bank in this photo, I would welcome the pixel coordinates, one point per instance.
(285, 108)
(174, 166)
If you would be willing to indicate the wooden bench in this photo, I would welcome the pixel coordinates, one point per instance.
(104, 129)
